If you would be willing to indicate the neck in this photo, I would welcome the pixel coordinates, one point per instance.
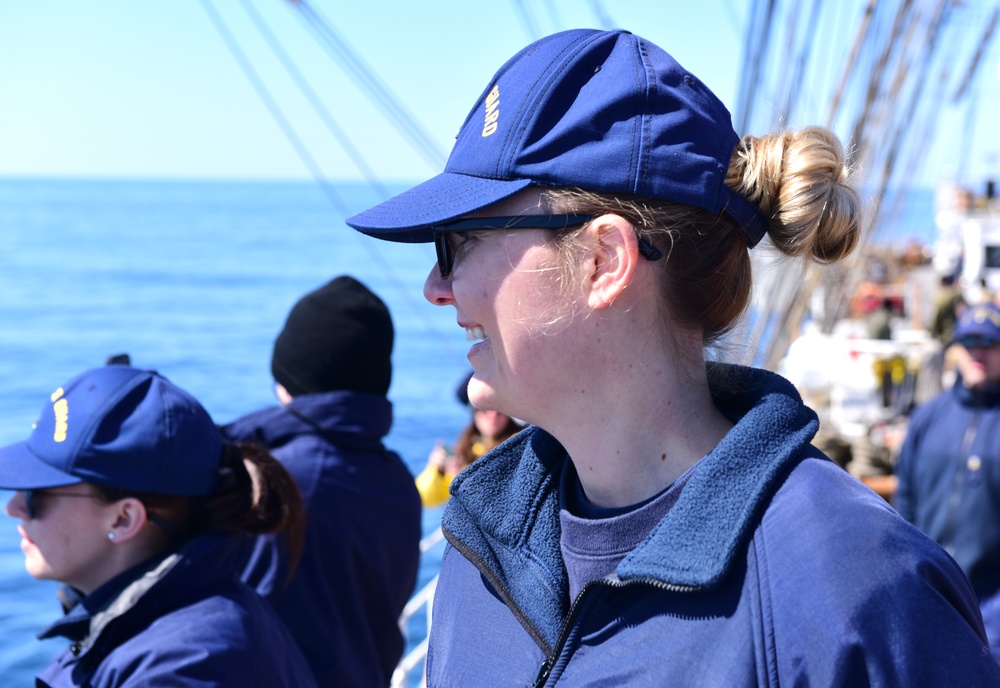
(635, 423)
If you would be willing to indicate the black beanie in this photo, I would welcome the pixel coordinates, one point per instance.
(338, 337)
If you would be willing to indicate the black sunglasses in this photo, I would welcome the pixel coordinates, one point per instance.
(31, 506)
(31, 497)
(446, 254)
(978, 342)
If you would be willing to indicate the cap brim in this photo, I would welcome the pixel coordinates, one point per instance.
(20, 469)
(409, 216)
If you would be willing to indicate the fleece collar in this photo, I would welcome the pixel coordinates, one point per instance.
(504, 515)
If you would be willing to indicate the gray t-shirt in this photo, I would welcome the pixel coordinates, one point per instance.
(594, 540)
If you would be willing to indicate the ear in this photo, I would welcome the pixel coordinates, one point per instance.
(284, 398)
(613, 260)
(128, 519)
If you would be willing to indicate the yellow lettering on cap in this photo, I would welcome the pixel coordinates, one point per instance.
(61, 409)
(492, 111)
(56, 394)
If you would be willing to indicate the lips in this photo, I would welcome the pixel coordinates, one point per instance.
(26, 542)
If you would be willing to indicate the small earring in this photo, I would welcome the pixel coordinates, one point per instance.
(111, 536)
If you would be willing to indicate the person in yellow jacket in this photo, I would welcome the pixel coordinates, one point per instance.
(486, 430)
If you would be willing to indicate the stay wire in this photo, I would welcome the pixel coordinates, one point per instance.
(373, 87)
(314, 100)
(272, 106)
(527, 19)
(325, 185)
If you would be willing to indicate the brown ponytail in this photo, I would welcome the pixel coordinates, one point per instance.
(255, 495)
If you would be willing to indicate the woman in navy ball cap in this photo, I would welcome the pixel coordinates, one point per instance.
(666, 521)
(126, 493)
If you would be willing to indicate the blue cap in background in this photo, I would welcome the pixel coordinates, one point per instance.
(600, 110)
(119, 427)
(982, 320)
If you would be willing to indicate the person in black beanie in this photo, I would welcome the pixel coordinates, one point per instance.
(332, 367)
(338, 337)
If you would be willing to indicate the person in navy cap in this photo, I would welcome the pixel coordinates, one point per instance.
(331, 364)
(949, 464)
(666, 521)
(127, 493)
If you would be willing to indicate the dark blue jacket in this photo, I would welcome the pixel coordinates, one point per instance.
(949, 486)
(774, 567)
(362, 550)
(949, 478)
(184, 620)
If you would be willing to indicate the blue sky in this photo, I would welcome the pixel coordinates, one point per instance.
(112, 88)
(148, 88)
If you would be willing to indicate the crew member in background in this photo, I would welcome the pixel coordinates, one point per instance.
(127, 494)
(332, 366)
(949, 465)
(486, 429)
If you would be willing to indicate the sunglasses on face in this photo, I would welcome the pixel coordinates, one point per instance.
(446, 252)
(31, 498)
(978, 342)
(31, 504)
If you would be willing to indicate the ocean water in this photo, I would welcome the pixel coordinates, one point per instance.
(195, 279)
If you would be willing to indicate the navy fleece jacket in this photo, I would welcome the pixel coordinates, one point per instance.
(774, 567)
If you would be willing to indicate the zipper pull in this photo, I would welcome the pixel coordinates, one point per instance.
(543, 673)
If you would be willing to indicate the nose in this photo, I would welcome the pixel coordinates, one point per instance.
(437, 290)
(16, 506)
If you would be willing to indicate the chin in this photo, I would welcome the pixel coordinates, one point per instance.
(483, 397)
(37, 570)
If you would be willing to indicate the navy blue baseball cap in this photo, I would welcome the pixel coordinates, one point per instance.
(119, 427)
(601, 110)
(979, 322)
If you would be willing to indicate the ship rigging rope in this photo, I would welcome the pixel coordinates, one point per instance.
(373, 87)
(404, 292)
(317, 104)
(527, 19)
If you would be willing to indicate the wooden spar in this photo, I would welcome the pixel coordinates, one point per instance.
(755, 44)
(978, 56)
(862, 35)
(801, 61)
(783, 89)
(904, 123)
(797, 290)
(876, 76)
(901, 124)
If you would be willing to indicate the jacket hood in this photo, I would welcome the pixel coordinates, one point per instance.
(505, 509)
(355, 420)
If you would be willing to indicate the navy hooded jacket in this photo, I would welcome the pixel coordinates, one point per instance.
(949, 486)
(773, 567)
(362, 548)
(183, 620)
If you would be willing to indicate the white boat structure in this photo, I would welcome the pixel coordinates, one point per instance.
(968, 242)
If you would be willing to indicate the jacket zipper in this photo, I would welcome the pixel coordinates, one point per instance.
(545, 670)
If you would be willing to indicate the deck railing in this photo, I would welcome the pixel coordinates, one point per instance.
(422, 600)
